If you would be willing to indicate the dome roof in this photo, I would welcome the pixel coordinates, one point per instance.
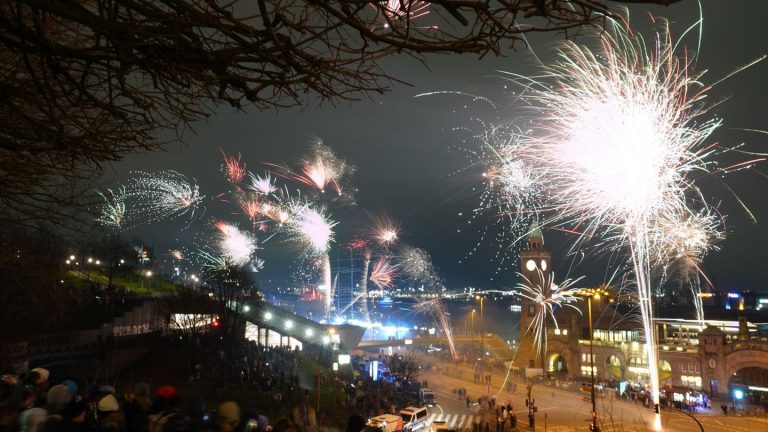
(535, 230)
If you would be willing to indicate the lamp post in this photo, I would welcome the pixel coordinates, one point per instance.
(592, 362)
(473, 323)
(482, 341)
(592, 293)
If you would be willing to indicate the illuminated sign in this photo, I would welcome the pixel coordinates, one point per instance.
(344, 359)
(733, 295)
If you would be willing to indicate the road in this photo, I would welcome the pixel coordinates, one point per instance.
(562, 410)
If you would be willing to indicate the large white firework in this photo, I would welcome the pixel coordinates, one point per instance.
(309, 226)
(238, 247)
(262, 185)
(619, 140)
(162, 196)
(548, 297)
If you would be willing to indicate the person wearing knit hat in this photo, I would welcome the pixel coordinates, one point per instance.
(71, 386)
(58, 397)
(228, 416)
(43, 375)
(108, 404)
(110, 417)
(32, 420)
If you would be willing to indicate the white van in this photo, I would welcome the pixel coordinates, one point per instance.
(413, 418)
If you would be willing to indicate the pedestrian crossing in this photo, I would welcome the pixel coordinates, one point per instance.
(455, 421)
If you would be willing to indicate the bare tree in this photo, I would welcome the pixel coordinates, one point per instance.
(84, 82)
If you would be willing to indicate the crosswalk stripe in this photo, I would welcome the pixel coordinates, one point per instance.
(461, 421)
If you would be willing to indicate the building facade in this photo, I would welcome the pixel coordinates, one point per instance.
(714, 356)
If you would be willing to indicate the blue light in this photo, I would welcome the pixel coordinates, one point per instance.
(733, 295)
(738, 394)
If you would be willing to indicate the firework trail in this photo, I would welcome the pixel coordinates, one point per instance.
(548, 296)
(233, 168)
(162, 196)
(236, 246)
(176, 254)
(435, 308)
(417, 264)
(361, 245)
(617, 149)
(325, 284)
(113, 210)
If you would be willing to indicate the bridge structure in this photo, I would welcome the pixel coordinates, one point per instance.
(496, 346)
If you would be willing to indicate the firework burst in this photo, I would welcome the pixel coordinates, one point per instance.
(262, 185)
(682, 243)
(385, 231)
(310, 227)
(397, 13)
(233, 168)
(112, 212)
(321, 170)
(548, 297)
(163, 196)
(236, 246)
(383, 273)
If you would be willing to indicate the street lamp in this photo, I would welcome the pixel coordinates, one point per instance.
(473, 322)
(482, 342)
(592, 293)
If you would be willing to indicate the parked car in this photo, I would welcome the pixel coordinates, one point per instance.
(414, 418)
(427, 397)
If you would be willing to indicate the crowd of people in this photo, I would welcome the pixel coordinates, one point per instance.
(29, 403)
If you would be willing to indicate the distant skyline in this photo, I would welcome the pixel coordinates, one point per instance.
(411, 166)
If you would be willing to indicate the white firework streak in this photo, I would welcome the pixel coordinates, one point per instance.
(163, 196)
(262, 185)
(548, 296)
(436, 309)
(236, 246)
(113, 210)
(309, 226)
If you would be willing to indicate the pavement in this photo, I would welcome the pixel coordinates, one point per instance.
(561, 410)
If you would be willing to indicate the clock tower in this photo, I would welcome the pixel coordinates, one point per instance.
(535, 266)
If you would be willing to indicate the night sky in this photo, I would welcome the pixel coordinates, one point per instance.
(411, 167)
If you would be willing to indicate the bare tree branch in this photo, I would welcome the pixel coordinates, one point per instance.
(84, 82)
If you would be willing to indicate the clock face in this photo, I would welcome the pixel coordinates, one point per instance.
(530, 265)
(544, 265)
